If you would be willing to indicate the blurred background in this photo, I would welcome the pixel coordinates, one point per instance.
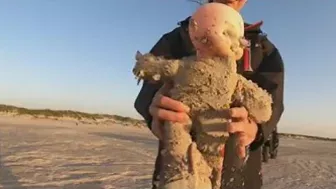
(78, 54)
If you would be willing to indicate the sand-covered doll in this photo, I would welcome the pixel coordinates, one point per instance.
(208, 83)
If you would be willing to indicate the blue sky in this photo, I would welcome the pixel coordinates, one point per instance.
(78, 54)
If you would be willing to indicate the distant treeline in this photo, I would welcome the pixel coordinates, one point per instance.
(306, 137)
(82, 115)
(63, 113)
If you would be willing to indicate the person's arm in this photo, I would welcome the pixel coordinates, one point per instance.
(148, 90)
(270, 76)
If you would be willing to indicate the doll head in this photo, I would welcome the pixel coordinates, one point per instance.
(216, 29)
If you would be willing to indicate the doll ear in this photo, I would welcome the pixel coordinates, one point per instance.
(138, 55)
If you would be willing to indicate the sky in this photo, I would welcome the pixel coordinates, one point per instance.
(78, 54)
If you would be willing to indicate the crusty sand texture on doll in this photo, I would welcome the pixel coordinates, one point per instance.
(208, 83)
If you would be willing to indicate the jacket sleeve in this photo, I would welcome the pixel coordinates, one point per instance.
(148, 90)
(270, 76)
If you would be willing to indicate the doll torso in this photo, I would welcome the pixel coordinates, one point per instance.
(205, 84)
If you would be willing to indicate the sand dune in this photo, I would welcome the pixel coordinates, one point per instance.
(36, 154)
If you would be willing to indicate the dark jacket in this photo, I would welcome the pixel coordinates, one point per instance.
(268, 73)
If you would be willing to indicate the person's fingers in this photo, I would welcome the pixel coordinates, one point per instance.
(236, 127)
(167, 115)
(168, 109)
(238, 113)
(169, 104)
(162, 99)
(243, 139)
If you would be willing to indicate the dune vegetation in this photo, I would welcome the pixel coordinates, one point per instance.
(57, 114)
(48, 113)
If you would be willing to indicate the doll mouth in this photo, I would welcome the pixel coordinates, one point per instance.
(138, 75)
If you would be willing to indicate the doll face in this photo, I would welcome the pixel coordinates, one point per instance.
(217, 30)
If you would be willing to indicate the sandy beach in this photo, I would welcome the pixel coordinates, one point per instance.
(48, 154)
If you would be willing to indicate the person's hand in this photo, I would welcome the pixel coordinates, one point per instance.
(245, 128)
(164, 108)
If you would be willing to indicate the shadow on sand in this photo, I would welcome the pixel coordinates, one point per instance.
(7, 179)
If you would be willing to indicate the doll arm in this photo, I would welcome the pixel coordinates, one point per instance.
(257, 101)
(155, 68)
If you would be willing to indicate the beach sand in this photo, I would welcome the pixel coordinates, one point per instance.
(48, 154)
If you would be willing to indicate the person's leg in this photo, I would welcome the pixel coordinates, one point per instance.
(275, 141)
(265, 151)
(271, 146)
(276, 138)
